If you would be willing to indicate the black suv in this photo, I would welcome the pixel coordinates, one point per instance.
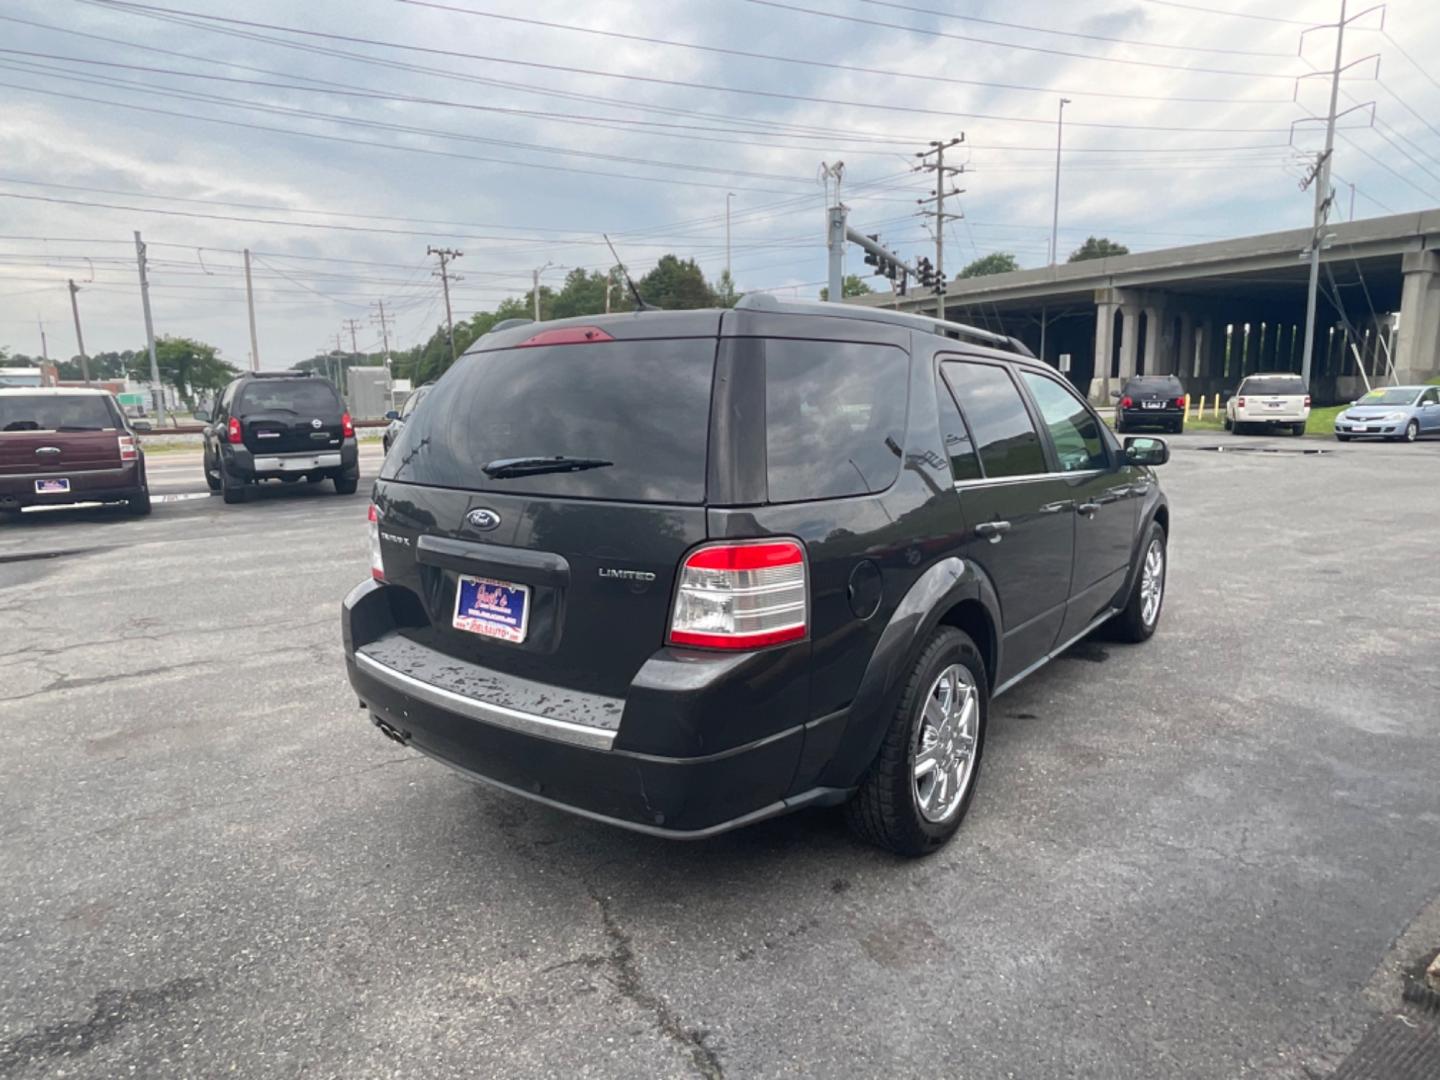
(683, 571)
(280, 425)
(1150, 401)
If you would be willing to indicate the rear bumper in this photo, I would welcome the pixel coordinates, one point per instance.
(576, 754)
(1150, 417)
(1246, 417)
(244, 463)
(88, 485)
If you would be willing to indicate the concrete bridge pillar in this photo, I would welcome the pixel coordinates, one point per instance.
(1154, 339)
(1184, 352)
(1129, 340)
(1105, 309)
(1417, 343)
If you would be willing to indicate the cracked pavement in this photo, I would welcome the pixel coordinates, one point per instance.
(1185, 859)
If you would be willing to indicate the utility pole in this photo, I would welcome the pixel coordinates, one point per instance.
(159, 392)
(1323, 198)
(445, 255)
(250, 304)
(1055, 217)
(385, 342)
(728, 196)
(44, 345)
(79, 338)
(942, 174)
(535, 288)
(836, 230)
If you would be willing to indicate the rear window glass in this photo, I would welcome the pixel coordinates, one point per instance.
(1168, 385)
(1262, 384)
(643, 407)
(304, 396)
(834, 418)
(50, 412)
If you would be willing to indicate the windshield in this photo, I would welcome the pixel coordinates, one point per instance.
(640, 409)
(1395, 395)
(308, 397)
(51, 412)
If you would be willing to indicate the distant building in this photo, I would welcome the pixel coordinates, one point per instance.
(22, 376)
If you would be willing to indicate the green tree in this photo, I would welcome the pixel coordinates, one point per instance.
(1097, 247)
(677, 284)
(997, 262)
(852, 285)
(186, 364)
(725, 294)
(582, 294)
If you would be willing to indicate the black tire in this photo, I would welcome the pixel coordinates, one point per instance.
(139, 505)
(1342, 438)
(1131, 625)
(232, 491)
(1179, 428)
(1297, 429)
(1412, 431)
(1229, 426)
(346, 485)
(212, 481)
(1119, 425)
(885, 809)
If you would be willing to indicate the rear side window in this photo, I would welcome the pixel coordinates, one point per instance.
(1073, 428)
(641, 407)
(964, 462)
(1007, 440)
(52, 412)
(1269, 385)
(834, 418)
(303, 396)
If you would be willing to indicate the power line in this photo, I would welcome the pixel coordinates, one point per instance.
(1012, 45)
(1229, 14)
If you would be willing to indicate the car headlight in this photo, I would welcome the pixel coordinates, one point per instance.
(1394, 416)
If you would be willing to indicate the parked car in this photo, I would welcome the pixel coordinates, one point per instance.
(700, 568)
(1151, 401)
(1267, 401)
(281, 425)
(398, 419)
(62, 446)
(1392, 412)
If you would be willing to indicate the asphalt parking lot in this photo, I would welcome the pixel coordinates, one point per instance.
(1190, 858)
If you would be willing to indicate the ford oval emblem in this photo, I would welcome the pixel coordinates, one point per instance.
(483, 519)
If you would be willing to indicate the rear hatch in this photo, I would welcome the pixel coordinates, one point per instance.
(57, 433)
(286, 416)
(1155, 395)
(567, 565)
(1274, 398)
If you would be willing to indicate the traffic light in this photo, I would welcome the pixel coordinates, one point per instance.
(871, 259)
(925, 271)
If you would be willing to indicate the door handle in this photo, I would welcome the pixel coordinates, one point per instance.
(1088, 509)
(994, 531)
(1057, 507)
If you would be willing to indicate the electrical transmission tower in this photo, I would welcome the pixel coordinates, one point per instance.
(938, 196)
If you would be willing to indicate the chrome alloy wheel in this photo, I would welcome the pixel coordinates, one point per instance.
(1152, 582)
(944, 750)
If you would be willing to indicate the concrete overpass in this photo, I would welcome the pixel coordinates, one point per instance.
(1214, 312)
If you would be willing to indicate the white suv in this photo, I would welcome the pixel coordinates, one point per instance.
(1269, 400)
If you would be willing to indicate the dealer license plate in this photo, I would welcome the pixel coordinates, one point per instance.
(493, 609)
(51, 487)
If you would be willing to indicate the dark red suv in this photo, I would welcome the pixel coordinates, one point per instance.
(62, 445)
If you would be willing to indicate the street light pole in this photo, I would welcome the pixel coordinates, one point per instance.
(1055, 218)
(1323, 196)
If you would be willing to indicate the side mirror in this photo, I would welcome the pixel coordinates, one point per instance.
(203, 415)
(207, 431)
(1114, 395)
(392, 415)
(1141, 450)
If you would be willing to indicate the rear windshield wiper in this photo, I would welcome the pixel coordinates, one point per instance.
(505, 468)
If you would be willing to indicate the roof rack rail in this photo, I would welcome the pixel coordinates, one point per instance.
(943, 327)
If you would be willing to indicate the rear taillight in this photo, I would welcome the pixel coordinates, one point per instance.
(568, 335)
(1240, 403)
(1307, 401)
(377, 562)
(1180, 401)
(1126, 402)
(741, 596)
(129, 451)
(232, 432)
(347, 426)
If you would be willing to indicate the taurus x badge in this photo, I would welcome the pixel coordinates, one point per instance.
(483, 519)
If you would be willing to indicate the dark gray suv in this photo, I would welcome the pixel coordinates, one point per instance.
(683, 571)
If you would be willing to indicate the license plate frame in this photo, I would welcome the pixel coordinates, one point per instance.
(59, 485)
(1152, 404)
(486, 607)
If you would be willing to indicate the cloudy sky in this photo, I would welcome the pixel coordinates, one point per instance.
(338, 139)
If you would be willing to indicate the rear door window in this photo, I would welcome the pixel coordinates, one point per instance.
(307, 397)
(959, 449)
(1074, 429)
(1004, 434)
(640, 407)
(834, 418)
(56, 412)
